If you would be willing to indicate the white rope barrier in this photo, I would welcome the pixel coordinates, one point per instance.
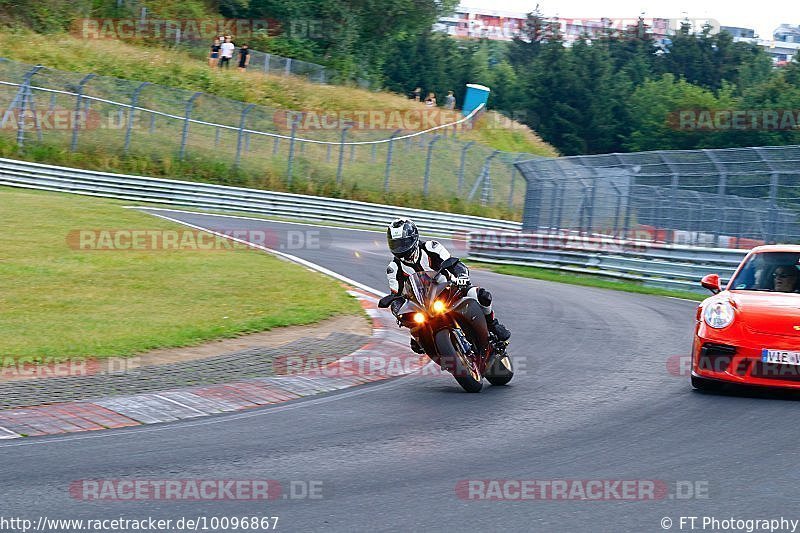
(245, 130)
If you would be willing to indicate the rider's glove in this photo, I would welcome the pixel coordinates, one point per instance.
(461, 281)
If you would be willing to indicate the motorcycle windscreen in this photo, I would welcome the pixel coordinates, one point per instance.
(424, 288)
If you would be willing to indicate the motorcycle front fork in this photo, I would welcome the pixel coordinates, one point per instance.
(466, 346)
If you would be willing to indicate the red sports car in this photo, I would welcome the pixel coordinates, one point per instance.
(749, 333)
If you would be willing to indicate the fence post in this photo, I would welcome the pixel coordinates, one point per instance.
(586, 209)
(427, 178)
(674, 184)
(341, 155)
(131, 111)
(36, 124)
(187, 115)
(389, 160)
(266, 63)
(696, 224)
(75, 121)
(772, 222)
(242, 119)
(514, 171)
(554, 220)
(288, 69)
(772, 230)
(22, 97)
(291, 151)
(721, 186)
(483, 179)
(462, 165)
(618, 208)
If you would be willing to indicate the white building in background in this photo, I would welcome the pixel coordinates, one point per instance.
(475, 23)
(782, 48)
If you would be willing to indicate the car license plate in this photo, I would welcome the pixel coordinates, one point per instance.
(782, 357)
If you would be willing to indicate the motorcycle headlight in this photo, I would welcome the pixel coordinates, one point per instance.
(718, 314)
(419, 318)
(438, 306)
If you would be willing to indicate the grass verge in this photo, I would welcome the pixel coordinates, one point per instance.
(584, 280)
(64, 303)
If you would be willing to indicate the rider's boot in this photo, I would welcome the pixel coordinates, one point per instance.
(499, 330)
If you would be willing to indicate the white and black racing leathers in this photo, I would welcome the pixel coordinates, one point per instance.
(430, 256)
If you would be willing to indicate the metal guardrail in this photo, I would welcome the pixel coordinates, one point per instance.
(664, 265)
(175, 193)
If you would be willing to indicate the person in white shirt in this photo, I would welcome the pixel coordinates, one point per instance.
(226, 52)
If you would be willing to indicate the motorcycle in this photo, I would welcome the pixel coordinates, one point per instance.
(451, 327)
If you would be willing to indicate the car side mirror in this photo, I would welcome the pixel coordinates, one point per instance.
(711, 282)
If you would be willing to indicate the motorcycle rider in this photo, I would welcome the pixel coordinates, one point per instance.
(411, 255)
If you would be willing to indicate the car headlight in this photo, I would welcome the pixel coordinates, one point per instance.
(718, 314)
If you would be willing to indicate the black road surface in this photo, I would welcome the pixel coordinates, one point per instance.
(593, 400)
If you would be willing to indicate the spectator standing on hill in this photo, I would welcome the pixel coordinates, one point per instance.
(213, 58)
(226, 52)
(416, 94)
(449, 101)
(244, 57)
(430, 101)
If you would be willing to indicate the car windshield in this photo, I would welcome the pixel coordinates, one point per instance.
(770, 272)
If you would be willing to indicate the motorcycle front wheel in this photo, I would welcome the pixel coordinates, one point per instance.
(456, 362)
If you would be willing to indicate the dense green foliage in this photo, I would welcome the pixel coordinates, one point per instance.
(615, 93)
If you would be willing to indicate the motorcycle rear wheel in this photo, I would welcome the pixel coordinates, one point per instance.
(501, 370)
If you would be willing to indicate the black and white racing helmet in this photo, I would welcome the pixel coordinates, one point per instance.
(403, 238)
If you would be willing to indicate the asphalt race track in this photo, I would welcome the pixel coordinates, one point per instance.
(593, 400)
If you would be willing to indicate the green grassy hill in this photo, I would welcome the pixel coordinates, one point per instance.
(154, 153)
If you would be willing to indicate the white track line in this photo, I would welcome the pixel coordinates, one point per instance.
(293, 258)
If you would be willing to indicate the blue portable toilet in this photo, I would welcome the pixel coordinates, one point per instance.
(475, 96)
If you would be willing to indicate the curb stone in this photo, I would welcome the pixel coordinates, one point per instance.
(375, 361)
